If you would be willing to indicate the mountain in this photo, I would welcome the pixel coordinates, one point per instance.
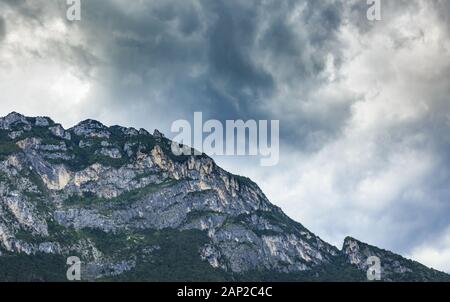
(119, 199)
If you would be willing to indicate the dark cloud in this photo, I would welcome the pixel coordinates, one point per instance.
(215, 54)
(2, 29)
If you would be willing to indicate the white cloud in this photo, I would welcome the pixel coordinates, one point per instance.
(39, 74)
(435, 253)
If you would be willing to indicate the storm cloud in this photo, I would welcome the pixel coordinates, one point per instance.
(2, 29)
(363, 106)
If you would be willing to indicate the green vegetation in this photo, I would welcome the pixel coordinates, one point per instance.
(4, 135)
(244, 181)
(36, 180)
(339, 271)
(85, 157)
(194, 215)
(25, 236)
(39, 132)
(37, 268)
(65, 236)
(29, 236)
(7, 148)
(275, 217)
(175, 258)
(112, 244)
(266, 233)
(3, 177)
(89, 198)
(86, 198)
(137, 194)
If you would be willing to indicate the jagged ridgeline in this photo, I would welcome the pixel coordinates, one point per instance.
(118, 199)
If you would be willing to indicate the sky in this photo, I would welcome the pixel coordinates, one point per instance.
(363, 105)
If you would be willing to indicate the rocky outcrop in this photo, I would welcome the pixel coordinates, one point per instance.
(393, 266)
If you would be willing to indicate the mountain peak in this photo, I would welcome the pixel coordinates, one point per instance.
(158, 134)
(11, 119)
(351, 241)
(90, 128)
(14, 114)
(91, 124)
(393, 267)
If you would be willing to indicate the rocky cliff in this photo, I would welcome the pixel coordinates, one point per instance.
(119, 199)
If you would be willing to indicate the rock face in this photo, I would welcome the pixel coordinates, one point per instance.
(123, 203)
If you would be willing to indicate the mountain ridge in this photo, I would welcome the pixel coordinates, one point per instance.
(83, 190)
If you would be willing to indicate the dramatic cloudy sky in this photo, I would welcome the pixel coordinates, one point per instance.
(364, 107)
